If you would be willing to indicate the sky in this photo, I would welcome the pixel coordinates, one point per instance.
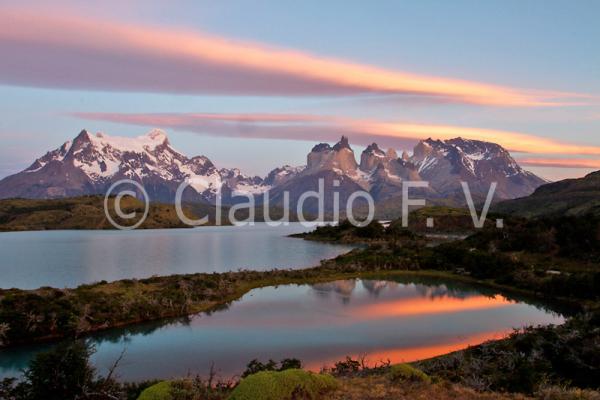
(255, 84)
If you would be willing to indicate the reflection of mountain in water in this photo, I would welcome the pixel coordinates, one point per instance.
(375, 287)
(434, 292)
(344, 288)
(433, 287)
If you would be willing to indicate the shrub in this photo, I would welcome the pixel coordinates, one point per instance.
(61, 373)
(373, 230)
(255, 366)
(159, 391)
(408, 372)
(348, 366)
(284, 385)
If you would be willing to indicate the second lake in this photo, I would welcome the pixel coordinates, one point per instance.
(399, 320)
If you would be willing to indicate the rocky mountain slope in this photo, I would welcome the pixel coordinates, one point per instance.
(446, 163)
(567, 197)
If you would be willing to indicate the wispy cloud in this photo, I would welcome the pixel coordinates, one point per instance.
(69, 51)
(560, 162)
(318, 128)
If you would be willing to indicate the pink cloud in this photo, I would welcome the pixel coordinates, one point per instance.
(68, 51)
(560, 162)
(320, 128)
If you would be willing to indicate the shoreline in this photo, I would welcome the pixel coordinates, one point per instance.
(321, 275)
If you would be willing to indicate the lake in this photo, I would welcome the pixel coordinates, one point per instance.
(402, 320)
(69, 258)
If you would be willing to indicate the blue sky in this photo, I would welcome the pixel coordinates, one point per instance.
(520, 47)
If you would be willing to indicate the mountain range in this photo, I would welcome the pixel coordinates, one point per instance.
(91, 163)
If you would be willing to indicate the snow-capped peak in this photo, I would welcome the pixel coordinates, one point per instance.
(101, 159)
(158, 135)
(474, 157)
(138, 144)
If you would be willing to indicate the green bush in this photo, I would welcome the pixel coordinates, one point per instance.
(284, 385)
(160, 391)
(61, 373)
(408, 372)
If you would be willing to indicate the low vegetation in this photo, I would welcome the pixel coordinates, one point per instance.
(381, 387)
(345, 232)
(85, 212)
(530, 357)
(550, 258)
(65, 373)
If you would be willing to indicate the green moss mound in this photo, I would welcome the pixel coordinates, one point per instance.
(160, 391)
(408, 372)
(284, 385)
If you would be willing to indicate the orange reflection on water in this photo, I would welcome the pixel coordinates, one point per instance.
(409, 354)
(424, 306)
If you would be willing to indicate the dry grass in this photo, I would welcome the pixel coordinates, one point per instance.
(380, 387)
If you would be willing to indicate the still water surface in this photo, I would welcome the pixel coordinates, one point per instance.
(400, 320)
(29, 260)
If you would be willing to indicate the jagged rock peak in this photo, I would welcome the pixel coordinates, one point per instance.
(423, 149)
(83, 137)
(371, 157)
(323, 157)
(342, 144)
(321, 147)
(84, 134)
(374, 148)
